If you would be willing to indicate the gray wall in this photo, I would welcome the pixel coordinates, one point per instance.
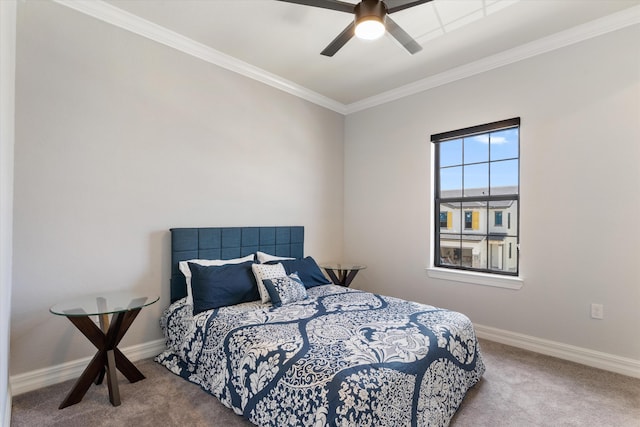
(580, 111)
(118, 139)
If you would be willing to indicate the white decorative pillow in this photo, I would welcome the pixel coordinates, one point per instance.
(265, 257)
(184, 268)
(266, 271)
(285, 290)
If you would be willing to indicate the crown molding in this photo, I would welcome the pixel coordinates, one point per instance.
(598, 27)
(133, 23)
(130, 22)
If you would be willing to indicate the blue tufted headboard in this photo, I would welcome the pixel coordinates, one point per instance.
(229, 242)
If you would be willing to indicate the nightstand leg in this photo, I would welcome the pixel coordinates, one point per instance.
(112, 380)
(84, 382)
(332, 276)
(104, 325)
(349, 277)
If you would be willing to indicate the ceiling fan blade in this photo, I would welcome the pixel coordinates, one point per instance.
(340, 41)
(401, 35)
(396, 5)
(325, 4)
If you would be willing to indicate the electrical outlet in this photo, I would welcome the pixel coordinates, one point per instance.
(597, 311)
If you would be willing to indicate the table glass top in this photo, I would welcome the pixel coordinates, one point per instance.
(103, 304)
(343, 266)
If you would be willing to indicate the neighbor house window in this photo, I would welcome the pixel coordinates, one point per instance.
(446, 219)
(471, 220)
(477, 182)
(468, 220)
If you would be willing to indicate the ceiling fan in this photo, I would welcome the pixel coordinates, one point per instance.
(371, 20)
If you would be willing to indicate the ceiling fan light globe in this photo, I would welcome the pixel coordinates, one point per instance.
(369, 29)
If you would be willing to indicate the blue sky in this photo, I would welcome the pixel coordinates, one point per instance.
(478, 157)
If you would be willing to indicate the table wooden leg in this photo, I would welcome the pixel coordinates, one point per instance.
(104, 325)
(332, 276)
(109, 359)
(127, 368)
(84, 382)
(112, 379)
(349, 277)
(343, 278)
(110, 344)
(100, 377)
(124, 365)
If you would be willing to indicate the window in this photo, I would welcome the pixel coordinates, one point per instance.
(443, 220)
(446, 219)
(468, 220)
(471, 220)
(476, 183)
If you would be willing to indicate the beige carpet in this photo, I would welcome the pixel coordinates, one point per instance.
(519, 388)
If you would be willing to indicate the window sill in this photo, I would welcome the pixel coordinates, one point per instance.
(495, 280)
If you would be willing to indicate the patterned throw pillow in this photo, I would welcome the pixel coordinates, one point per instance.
(266, 271)
(285, 290)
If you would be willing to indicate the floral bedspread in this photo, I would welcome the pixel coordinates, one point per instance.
(342, 357)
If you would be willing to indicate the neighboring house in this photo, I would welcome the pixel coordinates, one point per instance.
(471, 233)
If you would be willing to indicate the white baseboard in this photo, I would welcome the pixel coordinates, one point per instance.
(595, 359)
(44, 377)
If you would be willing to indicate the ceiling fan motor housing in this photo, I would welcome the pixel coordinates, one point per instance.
(370, 9)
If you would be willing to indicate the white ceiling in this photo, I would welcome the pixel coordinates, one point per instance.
(284, 40)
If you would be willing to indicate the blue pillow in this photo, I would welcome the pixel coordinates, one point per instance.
(285, 290)
(219, 286)
(307, 269)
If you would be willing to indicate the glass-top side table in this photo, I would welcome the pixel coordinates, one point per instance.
(123, 308)
(107, 303)
(342, 273)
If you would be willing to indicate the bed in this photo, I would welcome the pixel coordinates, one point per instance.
(314, 354)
